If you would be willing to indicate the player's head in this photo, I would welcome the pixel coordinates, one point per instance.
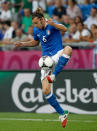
(38, 19)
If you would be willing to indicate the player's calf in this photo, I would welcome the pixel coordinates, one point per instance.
(46, 87)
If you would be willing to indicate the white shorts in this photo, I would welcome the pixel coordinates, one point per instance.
(55, 58)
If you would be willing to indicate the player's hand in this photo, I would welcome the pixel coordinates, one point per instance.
(50, 22)
(18, 44)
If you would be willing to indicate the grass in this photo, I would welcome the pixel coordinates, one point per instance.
(46, 122)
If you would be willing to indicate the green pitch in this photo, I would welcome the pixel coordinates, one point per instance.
(46, 122)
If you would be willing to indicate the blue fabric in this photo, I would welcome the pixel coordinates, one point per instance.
(55, 104)
(50, 39)
(22, 12)
(61, 63)
(1, 35)
(86, 9)
(50, 10)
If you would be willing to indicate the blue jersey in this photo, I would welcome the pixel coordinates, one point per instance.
(50, 39)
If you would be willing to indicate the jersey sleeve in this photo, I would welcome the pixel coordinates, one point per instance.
(35, 37)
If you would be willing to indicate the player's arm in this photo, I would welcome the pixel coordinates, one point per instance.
(57, 26)
(30, 43)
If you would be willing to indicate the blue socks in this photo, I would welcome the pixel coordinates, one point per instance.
(51, 97)
(61, 63)
(54, 103)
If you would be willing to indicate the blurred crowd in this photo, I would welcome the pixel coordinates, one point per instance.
(79, 16)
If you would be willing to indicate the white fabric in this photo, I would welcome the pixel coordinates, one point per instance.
(90, 20)
(55, 58)
(30, 36)
(8, 33)
(36, 4)
(5, 15)
(85, 32)
(73, 12)
(66, 56)
(77, 35)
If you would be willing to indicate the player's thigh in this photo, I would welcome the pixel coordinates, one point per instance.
(46, 86)
(56, 56)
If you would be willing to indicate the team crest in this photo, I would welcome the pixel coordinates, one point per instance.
(48, 32)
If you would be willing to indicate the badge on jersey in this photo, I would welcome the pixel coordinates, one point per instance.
(48, 32)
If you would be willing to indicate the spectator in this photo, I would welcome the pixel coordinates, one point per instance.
(93, 27)
(63, 35)
(20, 36)
(72, 9)
(27, 4)
(92, 19)
(83, 34)
(38, 3)
(29, 33)
(78, 19)
(72, 35)
(26, 20)
(95, 36)
(16, 7)
(85, 9)
(50, 7)
(78, 34)
(8, 31)
(92, 30)
(59, 12)
(15, 26)
(66, 21)
(71, 21)
(80, 1)
(5, 13)
(1, 32)
(66, 3)
(92, 1)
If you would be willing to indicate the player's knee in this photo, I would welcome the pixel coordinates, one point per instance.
(68, 50)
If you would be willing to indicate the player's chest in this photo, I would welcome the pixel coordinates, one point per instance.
(44, 35)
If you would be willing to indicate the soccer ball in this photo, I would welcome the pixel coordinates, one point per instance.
(45, 62)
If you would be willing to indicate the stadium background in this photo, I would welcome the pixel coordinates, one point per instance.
(22, 104)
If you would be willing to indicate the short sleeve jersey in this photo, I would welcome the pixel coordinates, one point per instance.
(50, 39)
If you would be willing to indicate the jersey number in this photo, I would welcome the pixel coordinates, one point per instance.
(44, 39)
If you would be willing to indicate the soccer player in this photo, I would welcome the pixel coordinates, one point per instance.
(47, 32)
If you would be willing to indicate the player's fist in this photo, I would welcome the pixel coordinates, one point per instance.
(50, 22)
